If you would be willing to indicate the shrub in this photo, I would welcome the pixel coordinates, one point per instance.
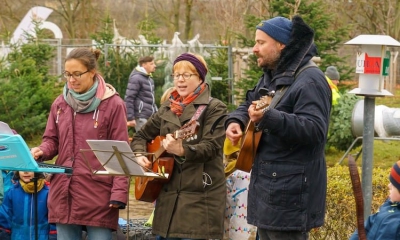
(27, 90)
(340, 135)
(340, 218)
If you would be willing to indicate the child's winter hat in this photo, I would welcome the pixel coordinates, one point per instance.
(394, 176)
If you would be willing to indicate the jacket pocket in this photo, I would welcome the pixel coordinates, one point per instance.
(284, 184)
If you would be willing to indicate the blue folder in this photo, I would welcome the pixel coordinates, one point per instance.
(16, 156)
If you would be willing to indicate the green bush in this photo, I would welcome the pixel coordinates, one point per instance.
(340, 134)
(340, 218)
(27, 90)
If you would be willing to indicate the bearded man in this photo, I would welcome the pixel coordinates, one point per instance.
(288, 180)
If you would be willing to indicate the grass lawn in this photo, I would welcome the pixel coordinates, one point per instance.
(386, 153)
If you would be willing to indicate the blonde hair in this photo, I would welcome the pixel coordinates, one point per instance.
(166, 94)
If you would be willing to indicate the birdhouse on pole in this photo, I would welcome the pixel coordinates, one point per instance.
(372, 64)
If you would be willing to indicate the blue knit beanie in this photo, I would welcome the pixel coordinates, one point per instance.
(278, 28)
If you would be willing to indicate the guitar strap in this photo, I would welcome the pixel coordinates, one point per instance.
(195, 116)
(200, 110)
(279, 94)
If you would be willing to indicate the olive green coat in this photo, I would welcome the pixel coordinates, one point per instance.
(186, 208)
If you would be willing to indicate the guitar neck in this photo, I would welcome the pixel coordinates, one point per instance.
(185, 132)
(158, 153)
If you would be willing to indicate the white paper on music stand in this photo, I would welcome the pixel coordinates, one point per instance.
(5, 129)
(103, 149)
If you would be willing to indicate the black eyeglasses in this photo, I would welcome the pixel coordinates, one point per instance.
(186, 76)
(76, 75)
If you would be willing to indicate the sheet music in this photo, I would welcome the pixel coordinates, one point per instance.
(103, 149)
(15, 154)
(5, 129)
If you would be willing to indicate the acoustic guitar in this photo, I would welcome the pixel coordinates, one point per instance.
(250, 140)
(147, 189)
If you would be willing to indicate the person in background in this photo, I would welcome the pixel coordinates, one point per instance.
(191, 205)
(88, 108)
(139, 97)
(333, 77)
(288, 182)
(385, 224)
(17, 211)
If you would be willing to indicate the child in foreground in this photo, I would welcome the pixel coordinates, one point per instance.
(385, 224)
(17, 219)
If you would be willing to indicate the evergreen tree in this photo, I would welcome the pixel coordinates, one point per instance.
(217, 64)
(327, 42)
(27, 90)
(327, 37)
(115, 62)
(314, 14)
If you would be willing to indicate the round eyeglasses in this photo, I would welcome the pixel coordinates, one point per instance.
(186, 76)
(75, 75)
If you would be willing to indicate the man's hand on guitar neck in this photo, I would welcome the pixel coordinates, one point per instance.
(234, 133)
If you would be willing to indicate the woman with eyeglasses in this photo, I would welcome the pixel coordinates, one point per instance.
(88, 108)
(191, 205)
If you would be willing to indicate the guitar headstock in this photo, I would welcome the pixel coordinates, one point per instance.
(264, 102)
(187, 131)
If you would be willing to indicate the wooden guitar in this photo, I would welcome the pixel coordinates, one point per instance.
(147, 189)
(250, 140)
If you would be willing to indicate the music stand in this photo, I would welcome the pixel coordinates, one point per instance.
(16, 156)
(117, 159)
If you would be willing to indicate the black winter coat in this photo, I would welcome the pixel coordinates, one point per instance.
(288, 180)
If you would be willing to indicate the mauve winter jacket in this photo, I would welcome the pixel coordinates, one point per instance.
(84, 198)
